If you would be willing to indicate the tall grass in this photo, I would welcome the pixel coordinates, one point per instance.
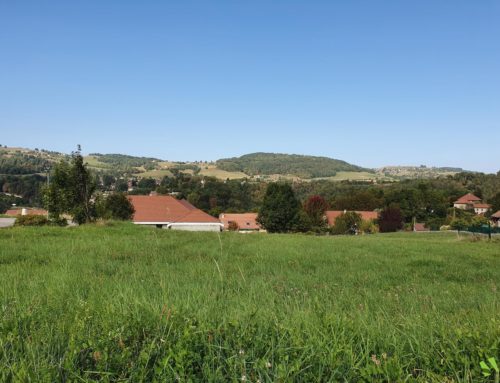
(125, 303)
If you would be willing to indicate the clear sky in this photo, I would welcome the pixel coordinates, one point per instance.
(370, 82)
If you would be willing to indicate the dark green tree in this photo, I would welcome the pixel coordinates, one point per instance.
(347, 223)
(495, 203)
(280, 209)
(71, 189)
(115, 206)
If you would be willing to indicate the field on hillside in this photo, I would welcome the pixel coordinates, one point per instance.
(125, 303)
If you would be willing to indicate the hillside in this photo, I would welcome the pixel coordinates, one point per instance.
(286, 164)
(265, 166)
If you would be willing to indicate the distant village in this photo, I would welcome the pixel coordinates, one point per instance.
(167, 212)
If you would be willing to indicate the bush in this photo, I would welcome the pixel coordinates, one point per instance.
(233, 226)
(347, 223)
(31, 220)
(115, 206)
(368, 227)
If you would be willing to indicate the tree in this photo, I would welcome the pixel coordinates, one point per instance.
(280, 209)
(71, 189)
(459, 224)
(390, 219)
(315, 208)
(495, 202)
(347, 223)
(115, 206)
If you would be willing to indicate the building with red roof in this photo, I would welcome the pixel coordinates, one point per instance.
(331, 215)
(170, 213)
(244, 222)
(471, 202)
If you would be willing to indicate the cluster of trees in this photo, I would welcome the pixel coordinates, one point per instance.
(72, 191)
(17, 163)
(275, 163)
(26, 186)
(282, 212)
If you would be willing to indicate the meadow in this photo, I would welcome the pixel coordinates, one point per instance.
(130, 304)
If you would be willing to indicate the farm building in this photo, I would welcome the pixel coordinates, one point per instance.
(170, 213)
(245, 222)
(471, 202)
(331, 215)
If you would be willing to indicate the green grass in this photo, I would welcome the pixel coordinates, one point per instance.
(125, 303)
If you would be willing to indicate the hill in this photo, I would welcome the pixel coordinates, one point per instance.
(287, 164)
(125, 303)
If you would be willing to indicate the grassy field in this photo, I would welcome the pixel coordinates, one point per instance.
(125, 303)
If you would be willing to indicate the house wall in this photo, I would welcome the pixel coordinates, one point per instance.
(194, 227)
(462, 206)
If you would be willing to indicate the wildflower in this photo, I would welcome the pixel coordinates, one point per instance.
(242, 352)
(268, 364)
(375, 360)
(96, 356)
(243, 378)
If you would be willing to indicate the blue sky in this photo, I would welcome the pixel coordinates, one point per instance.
(370, 82)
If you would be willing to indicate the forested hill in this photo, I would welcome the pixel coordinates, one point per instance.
(293, 164)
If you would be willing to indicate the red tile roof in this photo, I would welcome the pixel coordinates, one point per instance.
(30, 211)
(166, 209)
(245, 221)
(420, 227)
(496, 215)
(331, 215)
(482, 205)
(468, 198)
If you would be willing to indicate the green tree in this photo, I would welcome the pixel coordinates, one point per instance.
(347, 223)
(115, 206)
(495, 202)
(280, 209)
(71, 189)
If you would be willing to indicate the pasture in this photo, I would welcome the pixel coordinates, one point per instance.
(125, 303)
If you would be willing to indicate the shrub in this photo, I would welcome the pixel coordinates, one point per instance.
(31, 220)
(233, 226)
(115, 206)
(347, 223)
(368, 227)
(390, 220)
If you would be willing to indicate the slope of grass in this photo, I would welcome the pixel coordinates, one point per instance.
(126, 303)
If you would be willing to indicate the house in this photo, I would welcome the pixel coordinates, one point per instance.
(495, 218)
(471, 202)
(167, 212)
(26, 211)
(244, 223)
(481, 208)
(331, 215)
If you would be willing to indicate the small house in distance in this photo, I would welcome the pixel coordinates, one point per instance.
(331, 215)
(170, 213)
(243, 222)
(471, 202)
